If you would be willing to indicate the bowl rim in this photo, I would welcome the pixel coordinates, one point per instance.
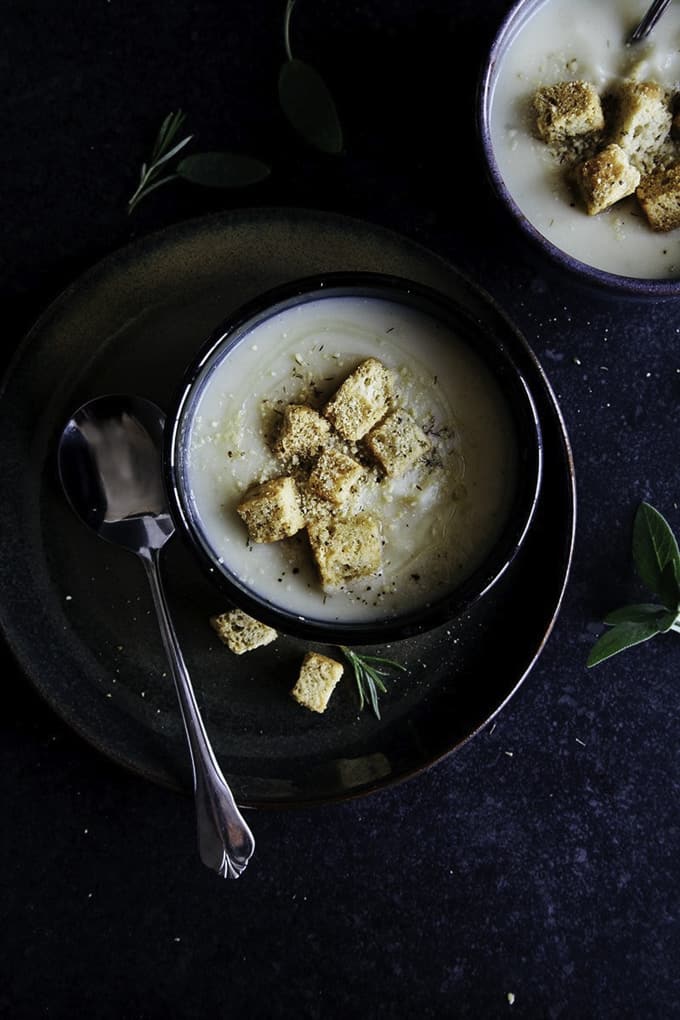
(233, 329)
(643, 287)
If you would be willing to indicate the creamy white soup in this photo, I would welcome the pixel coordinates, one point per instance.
(438, 520)
(569, 40)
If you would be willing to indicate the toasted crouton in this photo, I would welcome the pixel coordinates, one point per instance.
(240, 632)
(271, 511)
(303, 433)
(362, 400)
(398, 443)
(345, 549)
(659, 196)
(333, 476)
(316, 682)
(567, 110)
(643, 121)
(605, 179)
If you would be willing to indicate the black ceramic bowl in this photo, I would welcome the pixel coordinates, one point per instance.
(494, 349)
(593, 277)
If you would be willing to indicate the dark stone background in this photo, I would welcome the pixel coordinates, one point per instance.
(551, 873)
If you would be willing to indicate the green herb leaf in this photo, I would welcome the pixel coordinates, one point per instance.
(657, 559)
(307, 103)
(368, 676)
(223, 169)
(669, 589)
(620, 637)
(654, 548)
(165, 148)
(641, 613)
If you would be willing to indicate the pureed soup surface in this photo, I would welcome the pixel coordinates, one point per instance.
(568, 40)
(438, 520)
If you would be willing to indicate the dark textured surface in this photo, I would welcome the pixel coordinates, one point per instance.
(540, 860)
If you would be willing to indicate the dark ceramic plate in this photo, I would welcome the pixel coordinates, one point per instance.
(76, 610)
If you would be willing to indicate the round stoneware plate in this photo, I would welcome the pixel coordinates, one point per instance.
(77, 613)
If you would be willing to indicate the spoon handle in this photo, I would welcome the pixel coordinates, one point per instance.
(225, 841)
(649, 20)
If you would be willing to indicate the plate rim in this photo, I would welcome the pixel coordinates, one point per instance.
(224, 220)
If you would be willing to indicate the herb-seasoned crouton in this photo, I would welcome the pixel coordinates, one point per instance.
(241, 632)
(566, 111)
(333, 476)
(303, 433)
(316, 682)
(643, 121)
(398, 443)
(606, 178)
(271, 511)
(345, 550)
(362, 400)
(659, 196)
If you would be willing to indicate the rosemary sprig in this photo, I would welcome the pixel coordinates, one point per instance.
(165, 147)
(368, 675)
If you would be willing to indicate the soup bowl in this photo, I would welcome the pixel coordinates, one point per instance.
(544, 43)
(354, 458)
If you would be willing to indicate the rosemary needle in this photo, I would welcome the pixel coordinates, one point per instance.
(165, 147)
(368, 675)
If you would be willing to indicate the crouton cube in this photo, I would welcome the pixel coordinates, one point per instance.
(567, 110)
(643, 120)
(272, 511)
(316, 682)
(362, 400)
(345, 549)
(659, 196)
(398, 443)
(240, 632)
(333, 476)
(606, 178)
(303, 433)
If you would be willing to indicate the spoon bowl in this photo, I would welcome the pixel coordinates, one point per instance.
(109, 461)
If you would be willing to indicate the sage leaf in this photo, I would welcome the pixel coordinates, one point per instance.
(222, 169)
(654, 547)
(637, 613)
(307, 103)
(620, 637)
(669, 589)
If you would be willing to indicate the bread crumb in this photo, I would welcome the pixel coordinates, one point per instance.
(567, 110)
(362, 400)
(240, 632)
(397, 443)
(302, 434)
(642, 121)
(659, 196)
(345, 549)
(333, 476)
(316, 681)
(271, 511)
(605, 179)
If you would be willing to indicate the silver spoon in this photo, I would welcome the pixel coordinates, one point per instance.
(648, 21)
(110, 467)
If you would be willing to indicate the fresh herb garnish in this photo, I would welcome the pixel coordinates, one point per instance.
(223, 169)
(164, 149)
(211, 169)
(657, 560)
(368, 675)
(306, 100)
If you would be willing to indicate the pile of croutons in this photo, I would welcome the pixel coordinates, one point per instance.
(325, 457)
(624, 145)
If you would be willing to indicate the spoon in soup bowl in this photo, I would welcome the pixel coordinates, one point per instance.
(109, 463)
(648, 21)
